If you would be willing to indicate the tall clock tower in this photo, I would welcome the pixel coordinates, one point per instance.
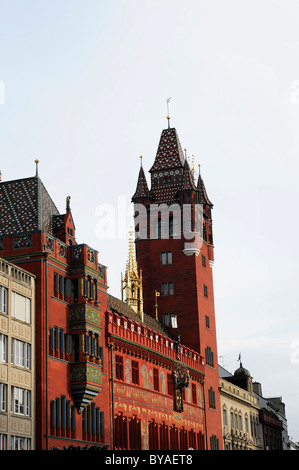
(175, 251)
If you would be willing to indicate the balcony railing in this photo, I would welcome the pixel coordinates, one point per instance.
(138, 334)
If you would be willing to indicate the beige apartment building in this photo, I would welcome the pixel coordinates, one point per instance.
(17, 353)
(240, 411)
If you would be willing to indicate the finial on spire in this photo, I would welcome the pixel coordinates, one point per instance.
(36, 164)
(168, 117)
(185, 154)
(141, 160)
(157, 294)
(240, 360)
(68, 203)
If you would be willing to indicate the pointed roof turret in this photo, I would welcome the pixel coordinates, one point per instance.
(142, 187)
(169, 154)
(187, 180)
(203, 196)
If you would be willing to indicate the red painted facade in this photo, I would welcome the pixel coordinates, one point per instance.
(106, 376)
(71, 301)
(148, 410)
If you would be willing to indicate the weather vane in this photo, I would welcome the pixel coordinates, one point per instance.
(168, 117)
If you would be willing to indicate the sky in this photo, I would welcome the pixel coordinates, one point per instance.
(83, 88)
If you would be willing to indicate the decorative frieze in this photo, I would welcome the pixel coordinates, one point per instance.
(22, 241)
(83, 315)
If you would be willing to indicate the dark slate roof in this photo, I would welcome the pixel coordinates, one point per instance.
(187, 180)
(142, 187)
(169, 154)
(122, 308)
(203, 195)
(25, 207)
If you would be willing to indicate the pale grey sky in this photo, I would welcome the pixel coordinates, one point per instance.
(84, 87)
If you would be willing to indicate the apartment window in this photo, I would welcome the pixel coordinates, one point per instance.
(207, 321)
(232, 423)
(20, 443)
(20, 353)
(246, 424)
(205, 291)
(167, 288)
(3, 442)
(3, 299)
(224, 417)
(240, 423)
(119, 367)
(3, 348)
(135, 372)
(204, 262)
(166, 257)
(20, 401)
(3, 397)
(20, 307)
(156, 378)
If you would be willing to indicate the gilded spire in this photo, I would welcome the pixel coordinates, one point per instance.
(131, 283)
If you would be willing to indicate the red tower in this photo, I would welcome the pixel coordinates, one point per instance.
(175, 252)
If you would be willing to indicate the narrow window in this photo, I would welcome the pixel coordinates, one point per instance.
(170, 385)
(156, 379)
(205, 291)
(135, 372)
(119, 368)
(194, 397)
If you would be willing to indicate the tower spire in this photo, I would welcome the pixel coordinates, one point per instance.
(142, 187)
(131, 283)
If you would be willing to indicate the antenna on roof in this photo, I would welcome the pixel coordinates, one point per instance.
(168, 117)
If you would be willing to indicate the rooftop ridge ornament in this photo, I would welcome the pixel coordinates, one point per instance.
(36, 165)
(168, 117)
